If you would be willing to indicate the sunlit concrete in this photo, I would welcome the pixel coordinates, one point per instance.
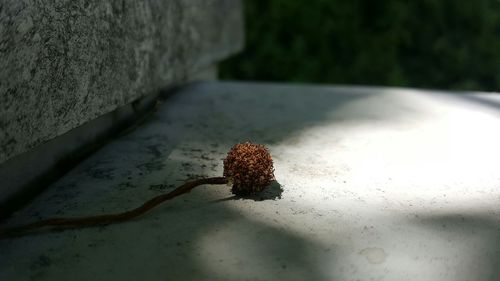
(378, 184)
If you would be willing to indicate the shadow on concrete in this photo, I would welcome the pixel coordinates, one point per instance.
(489, 100)
(474, 235)
(221, 244)
(272, 192)
(225, 113)
(478, 101)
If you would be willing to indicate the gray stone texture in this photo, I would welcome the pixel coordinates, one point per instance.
(64, 63)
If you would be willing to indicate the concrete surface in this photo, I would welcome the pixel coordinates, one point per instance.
(67, 62)
(377, 184)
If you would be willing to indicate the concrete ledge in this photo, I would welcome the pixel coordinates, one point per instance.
(378, 184)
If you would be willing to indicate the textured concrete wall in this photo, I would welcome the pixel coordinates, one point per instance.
(64, 63)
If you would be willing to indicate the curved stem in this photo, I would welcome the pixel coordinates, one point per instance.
(113, 218)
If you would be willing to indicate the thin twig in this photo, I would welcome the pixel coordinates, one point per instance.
(111, 218)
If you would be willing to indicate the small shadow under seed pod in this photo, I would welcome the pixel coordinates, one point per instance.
(249, 167)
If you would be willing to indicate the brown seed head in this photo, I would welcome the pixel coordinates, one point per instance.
(250, 168)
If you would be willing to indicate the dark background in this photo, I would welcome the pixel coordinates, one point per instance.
(440, 44)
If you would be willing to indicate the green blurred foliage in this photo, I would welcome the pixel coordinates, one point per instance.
(444, 44)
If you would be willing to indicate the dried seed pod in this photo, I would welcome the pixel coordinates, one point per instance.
(249, 167)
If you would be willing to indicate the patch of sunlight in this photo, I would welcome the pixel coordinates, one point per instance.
(401, 185)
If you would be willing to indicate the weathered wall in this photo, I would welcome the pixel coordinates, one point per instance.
(65, 62)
